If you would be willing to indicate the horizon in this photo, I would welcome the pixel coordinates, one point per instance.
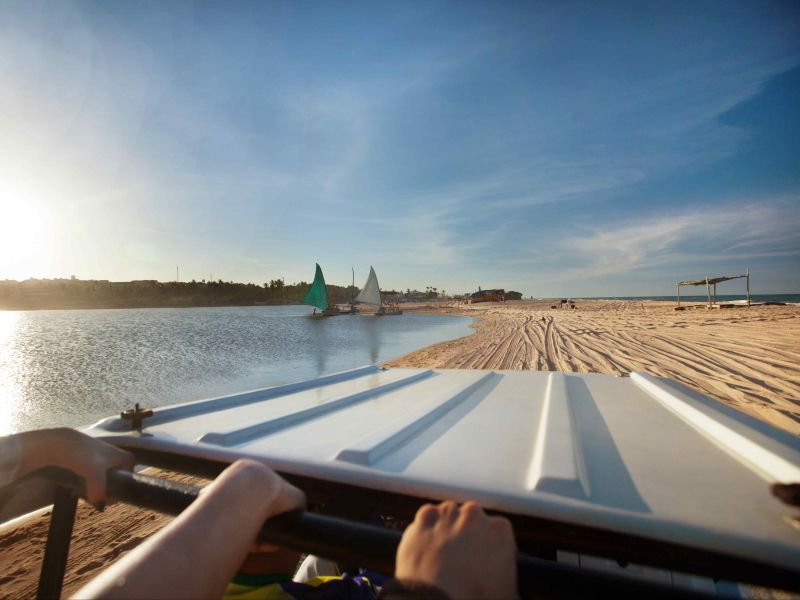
(687, 293)
(560, 150)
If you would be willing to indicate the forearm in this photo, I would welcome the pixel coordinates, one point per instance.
(24, 453)
(20, 455)
(198, 553)
(40, 448)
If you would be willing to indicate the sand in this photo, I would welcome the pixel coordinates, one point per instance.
(98, 538)
(748, 358)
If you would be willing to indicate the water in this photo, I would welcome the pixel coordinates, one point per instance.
(75, 367)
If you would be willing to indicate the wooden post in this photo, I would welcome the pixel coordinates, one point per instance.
(678, 290)
(748, 286)
(708, 291)
(715, 293)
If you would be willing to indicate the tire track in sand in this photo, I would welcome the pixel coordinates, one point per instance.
(748, 358)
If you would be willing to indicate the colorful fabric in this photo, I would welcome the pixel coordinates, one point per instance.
(345, 587)
(318, 294)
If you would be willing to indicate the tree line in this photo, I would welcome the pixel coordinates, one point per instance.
(78, 293)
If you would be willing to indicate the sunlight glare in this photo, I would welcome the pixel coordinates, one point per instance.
(9, 392)
(25, 237)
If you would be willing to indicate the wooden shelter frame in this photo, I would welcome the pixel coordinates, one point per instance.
(711, 284)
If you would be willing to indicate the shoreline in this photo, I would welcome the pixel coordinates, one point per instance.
(143, 307)
(129, 304)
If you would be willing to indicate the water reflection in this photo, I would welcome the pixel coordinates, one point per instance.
(9, 390)
(322, 340)
(373, 337)
(74, 367)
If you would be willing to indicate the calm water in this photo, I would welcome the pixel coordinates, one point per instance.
(74, 367)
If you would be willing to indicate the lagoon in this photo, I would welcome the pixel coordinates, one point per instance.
(73, 367)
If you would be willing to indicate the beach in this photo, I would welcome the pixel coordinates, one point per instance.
(748, 358)
(98, 539)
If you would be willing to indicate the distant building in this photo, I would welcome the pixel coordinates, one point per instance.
(415, 296)
(513, 295)
(488, 296)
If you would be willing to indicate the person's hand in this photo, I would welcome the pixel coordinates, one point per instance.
(460, 550)
(198, 552)
(91, 459)
(274, 494)
(284, 496)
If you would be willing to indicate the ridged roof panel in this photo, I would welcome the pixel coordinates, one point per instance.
(640, 455)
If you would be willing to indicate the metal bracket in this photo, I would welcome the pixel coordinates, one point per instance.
(136, 416)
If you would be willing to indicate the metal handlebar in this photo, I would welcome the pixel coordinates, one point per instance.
(347, 542)
(375, 548)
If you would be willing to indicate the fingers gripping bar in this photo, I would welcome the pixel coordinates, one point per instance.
(368, 546)
(375, 548)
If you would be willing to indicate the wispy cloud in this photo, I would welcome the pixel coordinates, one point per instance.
(464, 144)
(430, 236)
(697, 236)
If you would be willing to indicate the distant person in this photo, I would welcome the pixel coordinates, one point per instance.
(449, 551)
(24, 453)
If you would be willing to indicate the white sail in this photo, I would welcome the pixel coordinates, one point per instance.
(371, 294)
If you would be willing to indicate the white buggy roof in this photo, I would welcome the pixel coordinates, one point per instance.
(639, 455)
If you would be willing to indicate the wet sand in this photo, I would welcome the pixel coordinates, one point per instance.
(748, 358)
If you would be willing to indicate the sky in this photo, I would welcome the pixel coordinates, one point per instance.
(557, 149)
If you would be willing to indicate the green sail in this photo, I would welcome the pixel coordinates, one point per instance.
(318, 294)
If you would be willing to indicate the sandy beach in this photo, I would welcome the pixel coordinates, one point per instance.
(98, 539)
(748, 358)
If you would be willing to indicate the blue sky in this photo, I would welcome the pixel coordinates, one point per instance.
(554, 148)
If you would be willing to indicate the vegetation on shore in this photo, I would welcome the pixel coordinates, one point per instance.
(33, 294)
(77, 293)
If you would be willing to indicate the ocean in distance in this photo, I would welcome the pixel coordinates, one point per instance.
(73, 367)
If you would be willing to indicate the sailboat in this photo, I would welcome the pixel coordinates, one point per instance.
(371, 296)
(351, 309)
(317, 296)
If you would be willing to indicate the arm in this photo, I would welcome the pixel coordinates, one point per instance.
(24, 453)
(458, 550)
(197, 554)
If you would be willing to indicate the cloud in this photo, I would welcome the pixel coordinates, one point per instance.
(560, 180)
(756, 229)
(430, 236)
(444, 145)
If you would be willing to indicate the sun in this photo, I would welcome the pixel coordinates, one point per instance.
(25, 238)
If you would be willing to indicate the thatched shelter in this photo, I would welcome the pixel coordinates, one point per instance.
(711, 285)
